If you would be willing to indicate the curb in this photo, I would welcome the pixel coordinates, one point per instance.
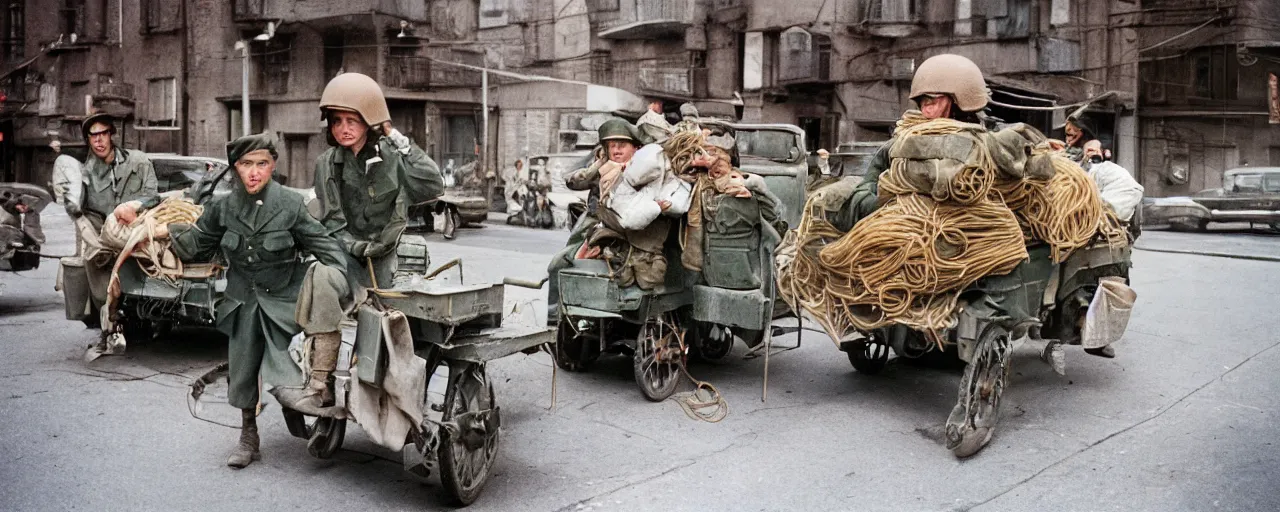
(1274, 259)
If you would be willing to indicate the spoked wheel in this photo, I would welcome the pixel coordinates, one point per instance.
(324, 435)
(577, 348)
(467, 455)
(711, 342)
(867, 355)
(657, 358)
(973, 420)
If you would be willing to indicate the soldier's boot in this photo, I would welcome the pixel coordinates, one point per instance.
(247, 450)
(316, 398)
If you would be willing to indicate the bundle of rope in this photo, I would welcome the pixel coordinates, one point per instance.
(1065, 212)
(137, 241)
(942, 225)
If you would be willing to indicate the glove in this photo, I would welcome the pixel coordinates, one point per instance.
(358, 248)
(376, 249)
(73, 210)
(400, 141)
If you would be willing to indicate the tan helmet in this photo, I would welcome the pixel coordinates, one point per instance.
(954, 75)
(357, 93)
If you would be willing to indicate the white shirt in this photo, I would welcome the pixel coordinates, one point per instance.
(66, 179)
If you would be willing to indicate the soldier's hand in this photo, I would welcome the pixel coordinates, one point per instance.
(398, 139)
(358, 249)
(73, 210)
(126, 213)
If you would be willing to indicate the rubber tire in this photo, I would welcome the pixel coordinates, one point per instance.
(448, 472)
(325, 437)
(569, 349)
(701, 333)
(857, 352)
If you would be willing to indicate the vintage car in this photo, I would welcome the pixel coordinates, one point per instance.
(777, 153)
(851, 158)
(1248, 194)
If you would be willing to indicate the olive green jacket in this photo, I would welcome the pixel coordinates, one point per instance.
(363, 204)
(864, 199)
(106, 186)
(263, 240)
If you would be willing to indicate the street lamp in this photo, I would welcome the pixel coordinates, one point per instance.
(243, 46)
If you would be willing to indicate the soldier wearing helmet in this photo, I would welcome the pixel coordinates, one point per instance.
(619, 141)
(944, 86)
(366, 181)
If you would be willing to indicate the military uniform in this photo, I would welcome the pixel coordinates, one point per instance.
(105, 186)
(587, 178)
(263, 239)
(364, 197)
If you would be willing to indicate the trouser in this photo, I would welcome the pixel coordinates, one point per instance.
(259, 343)
(563, 260)
(98, 260)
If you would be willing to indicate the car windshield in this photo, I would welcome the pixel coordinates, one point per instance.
(180, 173)
(1246, 184)
(1271, 182)
(776, 145)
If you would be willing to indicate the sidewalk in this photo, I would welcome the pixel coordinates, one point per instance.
(1255, 245)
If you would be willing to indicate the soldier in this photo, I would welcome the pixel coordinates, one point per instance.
(110, 176)
(366, 180)
(945, 86)
(264, 231)
(66, 176)
(619, 141)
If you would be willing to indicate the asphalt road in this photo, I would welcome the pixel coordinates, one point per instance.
(1186, 418)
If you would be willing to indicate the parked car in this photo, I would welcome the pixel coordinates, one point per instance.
(1248, 194)
(851, 158)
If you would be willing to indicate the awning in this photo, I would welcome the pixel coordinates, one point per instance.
(24, 64)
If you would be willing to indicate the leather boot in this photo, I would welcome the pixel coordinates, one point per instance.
(316, 398)
(247, 451)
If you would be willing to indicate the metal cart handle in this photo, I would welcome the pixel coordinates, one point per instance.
(533, 285)
(456, 262)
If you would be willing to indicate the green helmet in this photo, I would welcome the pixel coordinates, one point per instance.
(619, 129)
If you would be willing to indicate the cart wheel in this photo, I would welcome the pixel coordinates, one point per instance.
(467, 456)
(656, 360)
(710, 342)
(973, 420)
(867, 355)
(576, 350)
(324, 435)
(452, 221)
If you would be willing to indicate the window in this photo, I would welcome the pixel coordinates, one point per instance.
(160, 15)
(602, 5)
(15, 39)
(257, 120)
(333, 47)
(890, 11)
(273, 64)
(162, 101)
(71, 17)
(493, 13)
(1214, 74)
(1247, 184)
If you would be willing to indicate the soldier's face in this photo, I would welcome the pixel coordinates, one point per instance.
(100, 140)
(349, 129)
(935, 106)
(1073, 134)
(620, 151)
(255, 169)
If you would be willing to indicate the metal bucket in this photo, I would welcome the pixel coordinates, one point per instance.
(75, 287)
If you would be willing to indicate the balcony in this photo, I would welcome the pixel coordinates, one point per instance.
(417, 73)
(649, 19)
(681, 82)
(805, 58)
(294, 11)
(249, 10)
(891, 18)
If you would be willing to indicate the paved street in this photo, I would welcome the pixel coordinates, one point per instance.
(1185, 418)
